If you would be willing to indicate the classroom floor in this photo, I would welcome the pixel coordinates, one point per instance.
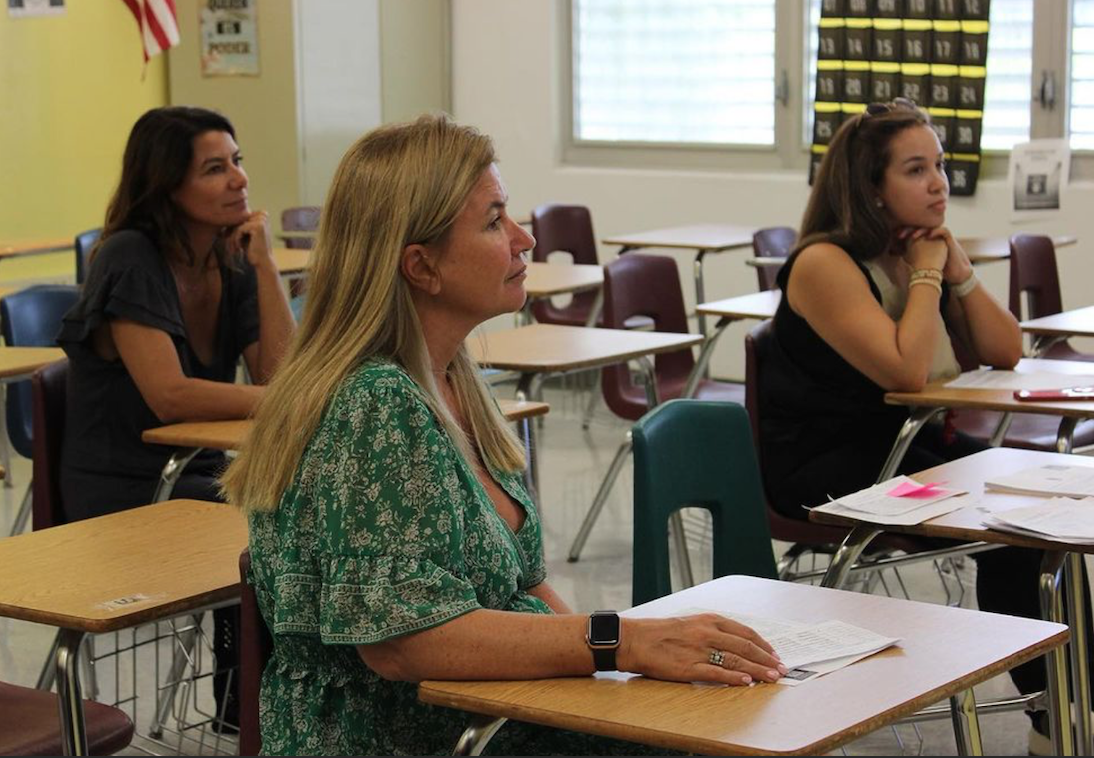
(572, 464)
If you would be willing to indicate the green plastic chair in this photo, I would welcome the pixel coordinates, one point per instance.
(697, 453)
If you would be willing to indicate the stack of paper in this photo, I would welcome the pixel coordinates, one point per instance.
(1068, 481)
(1060, 518)
(899, 501)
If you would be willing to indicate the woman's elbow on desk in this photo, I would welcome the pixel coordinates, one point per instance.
(387, 660)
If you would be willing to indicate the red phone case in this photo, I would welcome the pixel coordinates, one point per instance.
(1066, 393)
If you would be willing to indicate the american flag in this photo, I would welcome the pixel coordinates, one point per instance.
(158, 22)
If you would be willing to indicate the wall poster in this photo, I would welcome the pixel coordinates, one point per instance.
(229, 38)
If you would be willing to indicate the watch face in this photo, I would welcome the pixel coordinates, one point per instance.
(604, 629)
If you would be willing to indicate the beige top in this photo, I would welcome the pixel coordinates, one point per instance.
(894, 299)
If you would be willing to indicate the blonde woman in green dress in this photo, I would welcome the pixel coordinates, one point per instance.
(391, 538)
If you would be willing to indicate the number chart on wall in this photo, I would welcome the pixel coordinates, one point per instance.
(932, 52)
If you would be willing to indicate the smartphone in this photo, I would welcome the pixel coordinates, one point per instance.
(1067, 393)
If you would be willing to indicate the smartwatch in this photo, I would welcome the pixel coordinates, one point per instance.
(603, 639)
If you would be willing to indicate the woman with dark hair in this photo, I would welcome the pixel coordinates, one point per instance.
(876, 296)
(181, 285)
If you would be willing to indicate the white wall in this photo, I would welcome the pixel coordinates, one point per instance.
(338, 85)
(506, 63)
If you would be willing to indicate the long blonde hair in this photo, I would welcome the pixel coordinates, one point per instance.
(398, 185)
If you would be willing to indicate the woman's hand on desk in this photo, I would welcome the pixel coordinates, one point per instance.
(679, 649)
(253, 239)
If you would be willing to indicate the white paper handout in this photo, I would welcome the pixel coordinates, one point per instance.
(1038, 175)
(1059, 518)
(808, 650)
(877, 505)
(1052, 479)
(994, 379)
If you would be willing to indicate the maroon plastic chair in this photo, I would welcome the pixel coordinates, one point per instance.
(645, 285)
(30, 724)
(772, 242)
(1033, 272)
(304, 218)
(805, 536)
(49, 400)
(256, 647)
(565, 228)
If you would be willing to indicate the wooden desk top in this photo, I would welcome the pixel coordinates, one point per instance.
(986, 249)
(942, 651)
(969, 474)
(758, 305)
(547, 279)
(1076, 323)
(125, 569)
(937, 395)
(23, 361)
(38, 246)
(291, 260)
(979, 249)
(713, 237)
(229, 435)
(549, 347)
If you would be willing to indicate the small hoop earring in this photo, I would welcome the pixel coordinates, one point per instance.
(879, 203)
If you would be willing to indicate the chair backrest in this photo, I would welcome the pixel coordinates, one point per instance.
(699, 454)
(758, 345)
(255, 649)
(772, 242)
(644, 285)
(31, 318)
(304, 218)
(569, 229)
(49, 389)
(85, 241)
(1033, 271)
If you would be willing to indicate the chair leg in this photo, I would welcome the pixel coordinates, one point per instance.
(601, 497)
(590, 408)
(23, 515)
(183, 656)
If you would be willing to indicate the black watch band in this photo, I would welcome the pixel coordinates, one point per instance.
(604, 658)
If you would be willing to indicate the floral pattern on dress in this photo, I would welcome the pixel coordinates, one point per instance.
(384, 531)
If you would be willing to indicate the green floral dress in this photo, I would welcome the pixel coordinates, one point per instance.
(384, 531)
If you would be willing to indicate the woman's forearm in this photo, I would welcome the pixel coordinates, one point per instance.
(203, 400)
(275, 322)
(993, 332)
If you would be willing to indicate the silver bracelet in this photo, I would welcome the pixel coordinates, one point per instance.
(965, 287)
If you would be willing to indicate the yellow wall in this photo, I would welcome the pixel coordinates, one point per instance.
(261, 108)
(70, 90)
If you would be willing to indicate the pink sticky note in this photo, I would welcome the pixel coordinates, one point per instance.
(914, 489)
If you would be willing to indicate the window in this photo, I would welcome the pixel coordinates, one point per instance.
(675, 71)
(730, 83)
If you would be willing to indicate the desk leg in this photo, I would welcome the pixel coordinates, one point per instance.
(1066, 434)
(700, 291)
(178, 461)
(1052, 610)
(1080, 673)
(915, 422)
(601, 498)
(528, 388)
(699, 370)
(476, 736)
(594, 311)
(999, 436)
(1042, 343)
(69, 697)
(963, 710)
(849, 551)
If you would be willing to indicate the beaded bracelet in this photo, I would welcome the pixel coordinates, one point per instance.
(928, 274)
(965, 287)
(929, 281)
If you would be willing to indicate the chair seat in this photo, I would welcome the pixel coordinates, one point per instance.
(30, 724)
(1027, 431)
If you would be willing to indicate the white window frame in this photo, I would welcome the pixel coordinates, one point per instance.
(1051, 60)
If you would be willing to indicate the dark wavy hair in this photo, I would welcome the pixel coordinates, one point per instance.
(842, 207)
(157, 157)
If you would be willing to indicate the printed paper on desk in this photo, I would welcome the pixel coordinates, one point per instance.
(1059, 518)
(879, 500)
(912, 517)
(1052, 479)
(993, 379)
